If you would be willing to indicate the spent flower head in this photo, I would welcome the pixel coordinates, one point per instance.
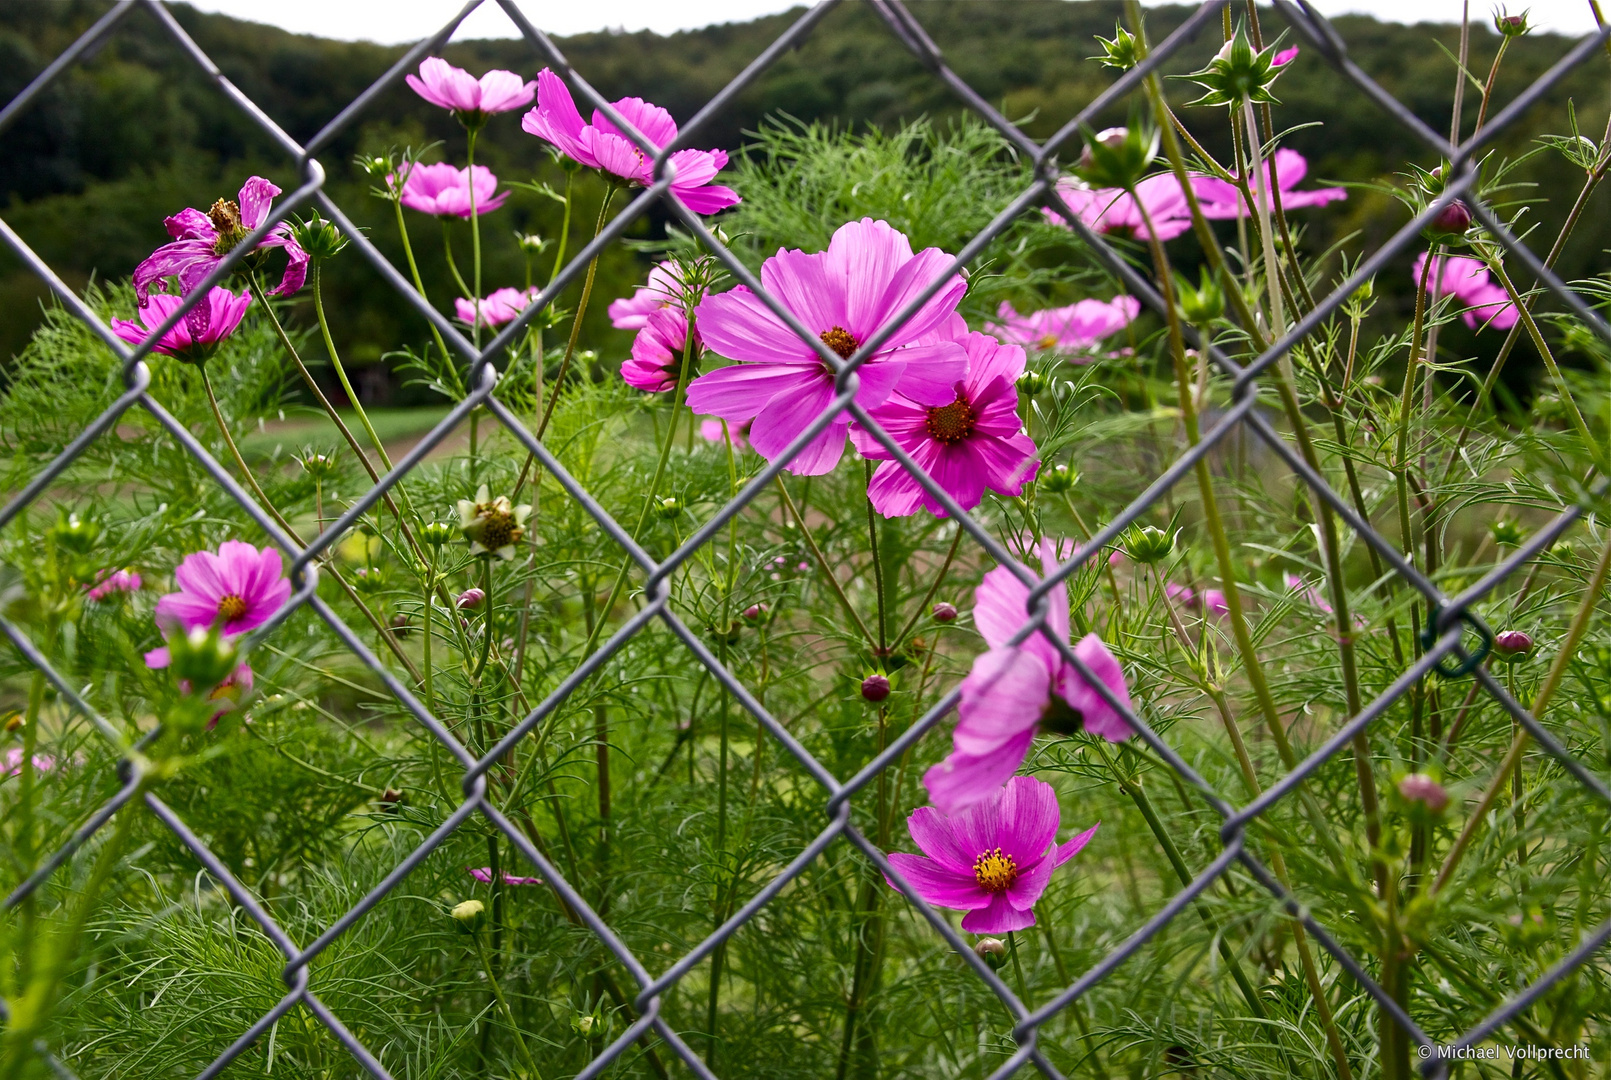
(492, 526)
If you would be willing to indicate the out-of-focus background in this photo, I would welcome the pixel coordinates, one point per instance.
(136, 132)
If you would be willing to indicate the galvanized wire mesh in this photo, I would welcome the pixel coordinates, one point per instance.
(1444, 649)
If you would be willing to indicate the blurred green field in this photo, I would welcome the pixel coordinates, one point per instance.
(304, 429)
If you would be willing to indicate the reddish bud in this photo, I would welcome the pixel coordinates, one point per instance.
(875, 688)
(1454, 219)
(1421, 788)
(471, 598)
(944, 612)
(1512, 644)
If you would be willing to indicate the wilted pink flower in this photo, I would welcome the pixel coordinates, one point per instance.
(974, 442)
(194, 337)
(1013, 692)
(993, 859)
(444, 191)
(843, 295)
(111, 582)
(1222, 199)
(1284, 57)
(239, 587)
(600, 145)
(483, 874)
(711, 431)
(1075, 328)
(663, 290)
(1466, 279)
(200, 242)
(11, 765)
(1113, 211)
(656, 356)
(449, 87)
(500, 306)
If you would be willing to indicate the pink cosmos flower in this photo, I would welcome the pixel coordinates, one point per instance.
(200, 242)
(1113, 211)
(111, 582)
(1211, 600)
(992, 860)
(483, 874)
(975, 442)
(663, 290)
(844, 295)
(711, 431)
(194, 337)
(1284, 57)
(1466, 279)
(449, 87)
(499, 307)
(240, 586)
(600, 145)
(1015, 691)
(1220, 199)
(657, 352)
(444, 191)
(1076, 328)
(11, 764)
(1310, 593)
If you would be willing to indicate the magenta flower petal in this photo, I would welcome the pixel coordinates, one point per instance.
(194, 337)
(931, 831)
(444, 191)
(1097, 716)
(1221, 199)
(198, 245)
(1284, 57)
(1072, 846)
(662, 290)
(1003, 696)
(239, 584)
(939, 885)
(656, 356)
(1029, 819)
(963, 779)
(999, 918)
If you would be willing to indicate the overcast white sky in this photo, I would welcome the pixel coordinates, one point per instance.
(394, 21)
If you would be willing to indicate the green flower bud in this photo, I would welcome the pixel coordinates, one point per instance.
(1511, 26)
(436, 533)
(1120, 53)
(1117, 157)
(1238, 75)
(583, 1024)
(73, 533)
(1058, 480)
(202, 657)
(668, 508)
(1506, 533)
(1204, 304)
(318, 465)
(1148, 545)
(318, 237)
(1031, 383)
(369, 579)
(992, 951)
(530, 243)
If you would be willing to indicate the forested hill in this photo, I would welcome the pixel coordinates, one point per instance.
(137, 132)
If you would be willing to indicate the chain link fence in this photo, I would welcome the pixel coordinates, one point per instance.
(1445, 648)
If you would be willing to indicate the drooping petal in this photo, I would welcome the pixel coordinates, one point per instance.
(1098, 716)
(1003, 696)
(257, 196)
(964, 779)
(999, 918)
(1029, 819)
(1072, 846)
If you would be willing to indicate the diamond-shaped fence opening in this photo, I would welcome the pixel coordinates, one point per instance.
(638, 983)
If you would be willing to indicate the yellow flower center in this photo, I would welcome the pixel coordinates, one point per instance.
(952, 423)
(231, 607)
(840, 341)
(1046, 342)
(994, 871)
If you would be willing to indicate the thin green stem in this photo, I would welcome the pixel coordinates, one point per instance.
(934, 587)
(823, 564)
(508, 1013)
(341, 371)
(878, 567)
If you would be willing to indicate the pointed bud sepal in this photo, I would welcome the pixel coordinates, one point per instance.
(1203, 305)
(1238, 75)
(1148, 545)
(1117, 157)
(318, 237)
(1059, 479)
(1120, 53)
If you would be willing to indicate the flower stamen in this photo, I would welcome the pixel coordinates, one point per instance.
(231, 607)
(950, 424)
(994, 871)
(841, 341)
